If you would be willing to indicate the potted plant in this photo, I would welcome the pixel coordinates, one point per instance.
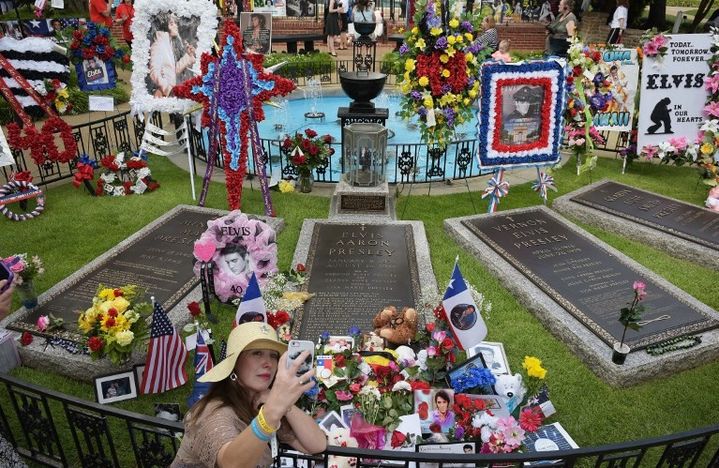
(629, 317)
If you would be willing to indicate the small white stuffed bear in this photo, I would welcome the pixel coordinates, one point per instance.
(340, 437)
(509, 386)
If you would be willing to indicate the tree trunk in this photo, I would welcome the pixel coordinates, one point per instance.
(702, 11)
(658, 14)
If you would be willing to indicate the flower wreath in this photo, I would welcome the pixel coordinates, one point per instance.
(704, 151)
(19, 190)
(495, 153)
(255, 236)
(120, 177)
(95, 41)
(441, 63)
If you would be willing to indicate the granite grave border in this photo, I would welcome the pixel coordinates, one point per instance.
(672, 244)
(79, 366)
(594, 352)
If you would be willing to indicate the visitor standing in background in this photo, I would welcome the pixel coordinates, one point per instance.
(332, 24)
(561, 30)
(342, 12)
(123, 15)
(100, 12)
(619, 22)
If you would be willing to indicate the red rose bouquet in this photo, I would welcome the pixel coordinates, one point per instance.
(307, 151)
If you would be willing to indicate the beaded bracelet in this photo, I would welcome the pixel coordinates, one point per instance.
(258, 432)
(264, 425)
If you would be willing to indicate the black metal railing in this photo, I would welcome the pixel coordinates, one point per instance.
(56, 429)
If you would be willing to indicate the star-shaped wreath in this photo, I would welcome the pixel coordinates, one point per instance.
(231, 89)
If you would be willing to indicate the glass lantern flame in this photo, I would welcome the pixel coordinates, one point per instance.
(365, 148)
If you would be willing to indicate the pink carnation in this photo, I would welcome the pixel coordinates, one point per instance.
(679, 143)
(650, 49)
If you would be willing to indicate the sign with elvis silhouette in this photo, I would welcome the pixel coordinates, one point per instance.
(673, 95)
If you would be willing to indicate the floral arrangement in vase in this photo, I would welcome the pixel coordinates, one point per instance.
(442, 60)
(115, 323)
(630, 317)
(306, 152)
(25, 269)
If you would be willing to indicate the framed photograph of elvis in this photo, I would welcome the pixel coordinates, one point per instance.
(256, 30)
(95, 74)
(520, 114)
(169, 40)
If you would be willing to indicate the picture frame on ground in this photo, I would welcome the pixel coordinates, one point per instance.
(347, 411)
(434, 407)
(494, 403)
(455, 448)
(337, 344)
(463, 367)
(116, 387)
(95, 74)
(494, 356)
(169, 39)
(332, 419)
(169, 411)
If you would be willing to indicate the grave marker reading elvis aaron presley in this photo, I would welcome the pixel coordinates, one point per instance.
(159, 261)
(354, 271)
(585, 278)
(683, 220)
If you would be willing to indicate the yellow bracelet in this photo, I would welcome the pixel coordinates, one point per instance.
(264, 425)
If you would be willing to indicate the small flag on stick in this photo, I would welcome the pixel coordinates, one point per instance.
(166, 356)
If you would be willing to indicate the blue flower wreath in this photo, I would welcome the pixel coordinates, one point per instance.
(473, 377)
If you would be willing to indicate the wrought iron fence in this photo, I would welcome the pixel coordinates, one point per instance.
(55, 429)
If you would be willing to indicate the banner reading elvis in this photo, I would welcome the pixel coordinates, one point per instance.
(672, 94)
(613, 87)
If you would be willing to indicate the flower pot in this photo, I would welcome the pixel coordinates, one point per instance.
(27, 294)
(620, 353)
(305, 182)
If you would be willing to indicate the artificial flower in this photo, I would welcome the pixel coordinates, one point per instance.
(25, 338)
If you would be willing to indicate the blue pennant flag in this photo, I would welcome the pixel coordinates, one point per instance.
(463, 314)
(203, 363)
(252, 308)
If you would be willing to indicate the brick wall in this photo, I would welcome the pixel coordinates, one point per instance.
(594, 29)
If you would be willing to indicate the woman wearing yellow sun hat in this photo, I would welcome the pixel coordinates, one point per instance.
(252, 400)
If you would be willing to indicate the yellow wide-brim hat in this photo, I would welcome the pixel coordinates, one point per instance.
(250, 335)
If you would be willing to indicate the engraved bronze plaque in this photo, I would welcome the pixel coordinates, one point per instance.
(362, 203)
(586, 279)
(664, 214)
(354, 271)
(159, 261)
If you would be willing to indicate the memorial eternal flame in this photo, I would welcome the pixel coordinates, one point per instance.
(499, 235)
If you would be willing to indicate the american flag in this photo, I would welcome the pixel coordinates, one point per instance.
(166, 356)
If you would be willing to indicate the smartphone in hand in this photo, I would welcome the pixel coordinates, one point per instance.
(297, 347)
(5, 274)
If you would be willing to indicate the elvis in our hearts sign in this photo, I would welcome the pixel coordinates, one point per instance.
(672, 90)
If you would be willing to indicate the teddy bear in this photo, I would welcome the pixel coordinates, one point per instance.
(340, 437)
(398, 328)
(712, 201)
(509, 386)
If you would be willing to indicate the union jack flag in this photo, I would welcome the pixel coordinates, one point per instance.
(203, 358)
(166, 356)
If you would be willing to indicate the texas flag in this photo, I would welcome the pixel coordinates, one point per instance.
(252, 308)
(463, 315)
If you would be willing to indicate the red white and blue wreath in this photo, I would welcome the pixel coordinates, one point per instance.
(520, 115)
(232, 248)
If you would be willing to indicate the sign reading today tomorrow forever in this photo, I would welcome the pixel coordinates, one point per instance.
(672, 90)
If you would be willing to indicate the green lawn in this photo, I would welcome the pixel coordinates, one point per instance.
(76, 228)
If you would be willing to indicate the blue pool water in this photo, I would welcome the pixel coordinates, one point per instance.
(290, 120)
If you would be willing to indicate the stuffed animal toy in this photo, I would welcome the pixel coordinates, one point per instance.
(340, 437)
(509, 386)
(396, 327)
(713, 199)
(372, 342)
